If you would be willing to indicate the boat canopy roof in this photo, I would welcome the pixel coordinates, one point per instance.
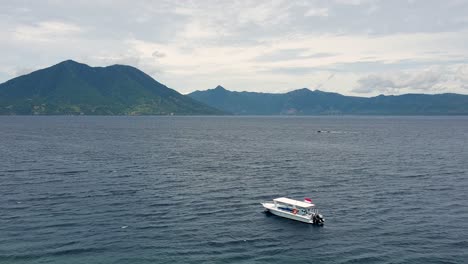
(294, 202)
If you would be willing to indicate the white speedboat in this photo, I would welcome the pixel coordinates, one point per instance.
(295, 210)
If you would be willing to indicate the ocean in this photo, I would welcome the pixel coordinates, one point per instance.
(83, 189)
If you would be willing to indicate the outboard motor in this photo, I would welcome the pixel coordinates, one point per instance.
(318, 219)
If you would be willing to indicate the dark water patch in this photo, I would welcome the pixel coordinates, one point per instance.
(123, 192)
(71, 172)
(73, 252)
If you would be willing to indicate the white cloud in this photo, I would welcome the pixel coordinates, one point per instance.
(317, 12)
(431, 80)
(46, 31)
(353, 2)
(249, 45)
(158, 54)
(197, 30)
(263, 14)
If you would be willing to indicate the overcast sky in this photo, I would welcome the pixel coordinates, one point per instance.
(354, 47)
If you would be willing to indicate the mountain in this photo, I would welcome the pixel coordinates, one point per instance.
(74, 88)
(307, 102)
(239, 102)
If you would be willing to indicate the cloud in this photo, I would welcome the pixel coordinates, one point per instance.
(158, 54)
(432, 80)
(351, 2)
(46, 31)
(248, 45)
(317, 12)
(263, 14)
(292, 54)
(319, 86)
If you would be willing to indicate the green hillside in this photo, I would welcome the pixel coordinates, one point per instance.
(72, 88)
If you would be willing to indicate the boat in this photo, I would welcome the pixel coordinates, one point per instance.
(303, 211)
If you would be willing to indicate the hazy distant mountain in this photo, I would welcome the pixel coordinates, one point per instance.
(240, 102)
(74, 88)
(307, 102)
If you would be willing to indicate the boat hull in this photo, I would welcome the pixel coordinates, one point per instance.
(272, 209)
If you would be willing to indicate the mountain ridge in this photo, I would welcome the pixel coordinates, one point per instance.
(304, 101)
(74, 88)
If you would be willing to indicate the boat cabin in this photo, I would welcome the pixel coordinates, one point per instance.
(293, 206)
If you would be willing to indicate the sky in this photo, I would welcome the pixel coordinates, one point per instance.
(353, 47)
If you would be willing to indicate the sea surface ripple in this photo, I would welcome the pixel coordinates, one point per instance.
(77, 189)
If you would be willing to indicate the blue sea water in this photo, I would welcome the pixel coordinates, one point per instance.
(77, 189)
